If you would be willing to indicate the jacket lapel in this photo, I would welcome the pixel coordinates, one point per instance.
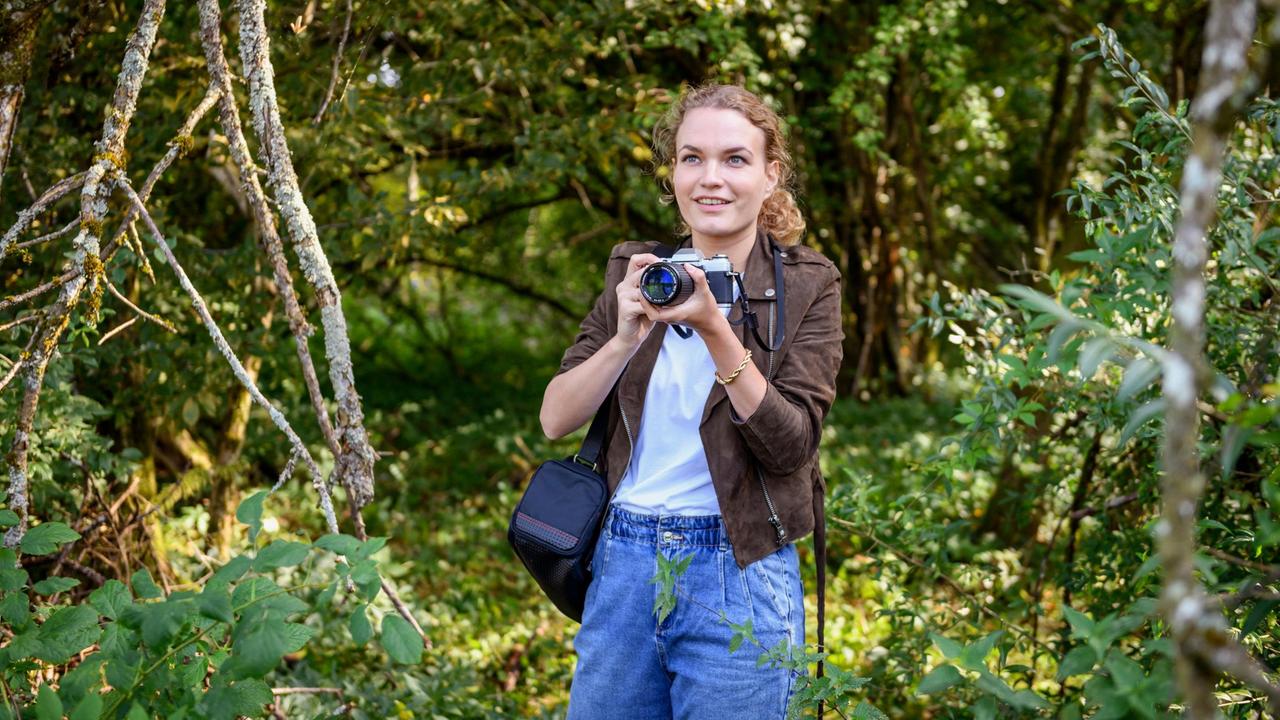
(757, 277)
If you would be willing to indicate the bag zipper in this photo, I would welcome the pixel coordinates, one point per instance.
(779, 531)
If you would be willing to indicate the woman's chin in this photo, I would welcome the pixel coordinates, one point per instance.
(717, 227)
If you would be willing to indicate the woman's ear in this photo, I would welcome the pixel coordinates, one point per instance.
(771, 172)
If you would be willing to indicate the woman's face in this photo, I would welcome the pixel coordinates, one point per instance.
(721, 176)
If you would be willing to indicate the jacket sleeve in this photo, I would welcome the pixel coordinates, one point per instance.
(784, 431)
(598, 326)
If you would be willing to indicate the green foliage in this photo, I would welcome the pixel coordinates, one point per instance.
(669, 572)
(181, 653)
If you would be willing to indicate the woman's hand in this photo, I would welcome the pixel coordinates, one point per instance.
(633, 320)
(699, 312)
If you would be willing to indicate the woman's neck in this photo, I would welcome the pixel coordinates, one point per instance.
(737, 248)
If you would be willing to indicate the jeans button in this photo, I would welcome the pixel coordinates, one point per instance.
(666, 537)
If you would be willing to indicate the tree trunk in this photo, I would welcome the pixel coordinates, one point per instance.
(17, 38)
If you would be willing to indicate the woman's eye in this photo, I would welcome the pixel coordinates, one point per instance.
(737, 160)
(689, 158)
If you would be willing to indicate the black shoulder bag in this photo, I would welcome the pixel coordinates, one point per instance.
(555, 525)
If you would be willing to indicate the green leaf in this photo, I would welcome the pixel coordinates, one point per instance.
(950, 648)
(257, 650)
(296, 636)
(48, 705)
(1259, 613)
(280, 553)
(401, 641)
(214, 602)
(67, 631)
(158, 622)
(240, 698)
(939, 679)
(1095, 352)
(16, 609)
(365, 575)
(111, 599)
(233, 570)
(368, 548)
(52, 585)
(1034, 300)
(340, 544)
(1139, 417)
(250, 513)
(13, 579)
(1081, 624)
(1126, 673)
(867, 711)
(8, 518)
(143, 586)
(1137, 377)
(974, 656)
(47, 537)
(90, 708)
(359, 625)
(1078, 661)
(985, 709)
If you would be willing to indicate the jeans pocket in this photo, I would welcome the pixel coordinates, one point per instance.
(775, 575)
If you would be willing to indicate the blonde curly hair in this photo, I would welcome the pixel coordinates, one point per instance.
(779, 214)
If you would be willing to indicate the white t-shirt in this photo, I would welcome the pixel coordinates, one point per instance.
(668, 474)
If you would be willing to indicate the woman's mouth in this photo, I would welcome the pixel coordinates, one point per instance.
(710, 204)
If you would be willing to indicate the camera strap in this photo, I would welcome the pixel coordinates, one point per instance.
(749, 317)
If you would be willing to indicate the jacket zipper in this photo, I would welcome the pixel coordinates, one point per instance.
(779, 531)
(631, 446)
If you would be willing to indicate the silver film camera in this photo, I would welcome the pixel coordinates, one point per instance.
(666, 282)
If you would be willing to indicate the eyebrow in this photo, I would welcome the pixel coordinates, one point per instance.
(728, 151)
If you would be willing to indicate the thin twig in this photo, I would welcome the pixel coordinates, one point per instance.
(19, 321)
(26, 217)
(337, 65)
(117, 330)
(153, 318)
(65, 229)
(237, 367)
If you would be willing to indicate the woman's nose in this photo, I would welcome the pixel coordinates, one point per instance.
(711, 174)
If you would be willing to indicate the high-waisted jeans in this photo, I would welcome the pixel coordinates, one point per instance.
(632, 666)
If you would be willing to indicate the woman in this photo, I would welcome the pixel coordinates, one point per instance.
(712, 440)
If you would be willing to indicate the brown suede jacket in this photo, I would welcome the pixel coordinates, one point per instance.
(780, 439)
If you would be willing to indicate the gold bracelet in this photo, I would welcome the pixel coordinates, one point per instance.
(734, 375)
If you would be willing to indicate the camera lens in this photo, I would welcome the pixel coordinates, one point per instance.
(665, 283)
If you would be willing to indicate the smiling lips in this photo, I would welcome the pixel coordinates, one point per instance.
(710, 204)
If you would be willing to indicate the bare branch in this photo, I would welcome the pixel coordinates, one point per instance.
(50, 236)
(355, 462)
(19, 321)
(220, 341)
(268, 235)
(143, 313)
(337, 65)
(117, 330)
(26, 217)
(37, 291)
(23, 358)
(94, 195)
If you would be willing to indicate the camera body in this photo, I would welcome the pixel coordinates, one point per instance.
(667, 283)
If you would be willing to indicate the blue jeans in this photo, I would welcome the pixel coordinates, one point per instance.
(632, 666)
